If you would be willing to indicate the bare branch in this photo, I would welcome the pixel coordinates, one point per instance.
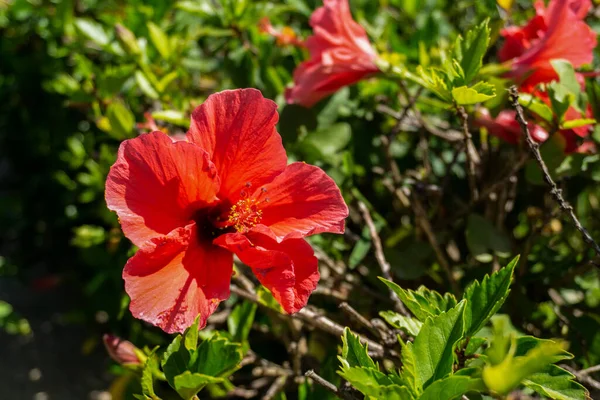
(318, 321)
(534, 147)
(276, 387)
(386, 270)
(342, 394)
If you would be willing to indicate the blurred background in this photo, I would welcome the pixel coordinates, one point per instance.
(79, 76)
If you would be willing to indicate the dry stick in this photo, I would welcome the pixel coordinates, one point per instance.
(275, 388)
(330, 386)
(554, 190)
(318, 321)
(355, 315)
(468, 148)
(386, 270)
(590, 370)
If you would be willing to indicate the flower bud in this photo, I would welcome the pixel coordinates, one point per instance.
(122, 351)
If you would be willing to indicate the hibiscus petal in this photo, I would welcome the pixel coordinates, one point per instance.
(156, 185)
(568, 37)
(174, 278)
(301, 201)
(340, 55)
(237, 129)
(288, 269)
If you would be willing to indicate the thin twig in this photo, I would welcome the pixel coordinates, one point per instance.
(469, 148)
(386, 270)
(341, 394)
(534, 147)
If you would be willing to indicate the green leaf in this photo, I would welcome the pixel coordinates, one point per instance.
(266, 298)
(434, 80)
(411, 326)
(166, 80)
(470, 52)
(128, 40)
(190, 336)
(508, 374)
(173, 117)
(484, 239)
(434, 346)
(556, 383)
(536, 106)
(452, 387)
(147, 379)
(175, 360)
(576, 123)
(92, 31)
(329, 141)
(217, 356)
(145, 85)
(239, 321)
(160, 40)
(566, 75)
(372, 382)
(553, 154)
(189, 384)
(354, 353)
(409, 372)
(293, 119)
(561, 98)
(526, 343)
(485, 299)
(481, 92)
(424, 302)
(122, 121)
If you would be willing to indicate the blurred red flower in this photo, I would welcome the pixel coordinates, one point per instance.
(340, 55)
(506, 127)
(555, 32)
(189, 205)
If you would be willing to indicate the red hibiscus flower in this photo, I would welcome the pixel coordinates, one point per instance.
(190, 205)
(556, 32)
(340, 55)
(506, 127)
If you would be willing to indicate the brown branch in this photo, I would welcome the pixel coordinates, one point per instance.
(534, 147)
(341, 394)
(386, 270)
(318, 321)
(276, 387)
(590, 370)
(355, 315)
(583, 378)
(469, 149)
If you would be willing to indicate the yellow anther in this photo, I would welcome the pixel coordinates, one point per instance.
(244, 215)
